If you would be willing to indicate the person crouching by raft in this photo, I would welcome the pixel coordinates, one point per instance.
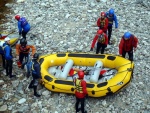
(23, 26)
(102, 41)
(36, 74)
(22, 51)
(102, 22)
(81, 92)
(128, 44)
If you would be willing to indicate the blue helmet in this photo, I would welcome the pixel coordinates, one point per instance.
(127, 35)
(111, 11)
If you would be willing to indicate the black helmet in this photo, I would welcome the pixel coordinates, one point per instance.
(23, 41)
(36, 56)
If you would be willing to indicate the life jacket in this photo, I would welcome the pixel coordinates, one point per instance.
(78, 86)
(23, 21)
(24, 49)
(102, 23)
(110, 19)
(101, 39)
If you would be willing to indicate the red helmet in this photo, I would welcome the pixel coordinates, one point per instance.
(102, 13)
(100, 32)
(17, 17)
(81, 74)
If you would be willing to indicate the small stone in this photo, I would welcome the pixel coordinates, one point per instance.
(1, 82)
(21, 101)
(3, 108)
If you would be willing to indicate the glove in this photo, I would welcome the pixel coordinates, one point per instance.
(19, 33)
(17, 57)
(91, 49)
(134, 49)
(86, 96)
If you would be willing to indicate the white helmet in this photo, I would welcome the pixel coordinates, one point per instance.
(7, 39)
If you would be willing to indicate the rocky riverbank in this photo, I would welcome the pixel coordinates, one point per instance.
(70, 25)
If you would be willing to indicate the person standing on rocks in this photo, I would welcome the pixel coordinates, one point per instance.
(102, 41)
(81, 92)
(23, 26)
(22, 51)
(36, 74)
(111, 18)
(128, 44)
(102, 22)
(8, 57)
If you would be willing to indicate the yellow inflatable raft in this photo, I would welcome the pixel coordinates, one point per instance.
(13, 37)
(95, 88)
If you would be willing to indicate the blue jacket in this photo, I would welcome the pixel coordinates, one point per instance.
(114, 18)
(23, 24)
(36, 74)
(7, 51)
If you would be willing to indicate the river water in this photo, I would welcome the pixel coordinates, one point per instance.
(3, 11)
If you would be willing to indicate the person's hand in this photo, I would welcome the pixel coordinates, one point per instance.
(86, 96)
(120, 54)
(134, 49)
(116, 29)
(17, 57)
(105, 46)
(19, 36)
(91, 49)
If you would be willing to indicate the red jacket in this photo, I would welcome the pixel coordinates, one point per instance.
(127, 45)
(96, 39)
(83, 88)
(102, 24)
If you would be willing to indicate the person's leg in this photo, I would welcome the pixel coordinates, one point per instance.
(7, 67)
(35, 84)
(25, 57)
(102, 48)
(31, 84)
(10, 68)
(77, 104)
(130, 53)
(3, 59)
(109, 33)
(82, 105)
(98, 48)
(24, 34)
(123, 53)
(21, 56)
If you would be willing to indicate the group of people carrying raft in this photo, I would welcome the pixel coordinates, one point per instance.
(128, 43)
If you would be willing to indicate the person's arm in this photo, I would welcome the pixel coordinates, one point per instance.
(135, 43)
(94, 41)
(17, 49)
(19, 28)
(116, 21)
(33, 49)
(83, 83)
